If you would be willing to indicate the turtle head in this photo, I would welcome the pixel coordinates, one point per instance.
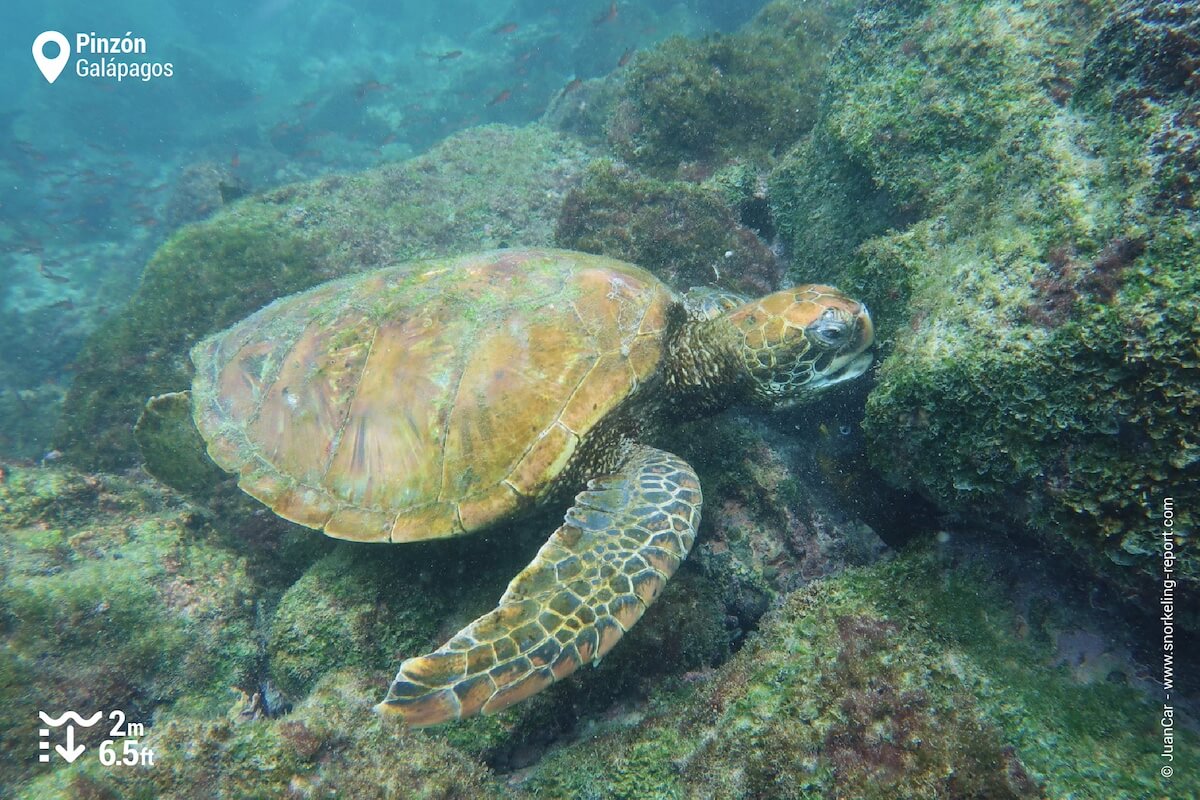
(799, 341)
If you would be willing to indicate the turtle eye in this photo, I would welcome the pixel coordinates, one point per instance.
(829, 330)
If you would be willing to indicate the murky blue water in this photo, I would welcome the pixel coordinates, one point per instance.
(268, 92)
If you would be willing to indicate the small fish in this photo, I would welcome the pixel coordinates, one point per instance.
(450, 56)
(607, 16)
(626, 56)
(47, 274)
(571, 86)
(506, 28)
(235, 161)
(500, 98)
(363, 89)
(63, 305)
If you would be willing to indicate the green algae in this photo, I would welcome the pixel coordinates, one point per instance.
(942, 673)
(331, 745)
(685, 234)
(749, 94)
(350, 609)
(1031, 281)
(920, 677)
(112, 597)
(489, 187)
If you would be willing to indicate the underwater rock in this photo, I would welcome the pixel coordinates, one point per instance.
(954, 670)
(1034, 282)
(113, 595)
(749, 94)
(936, 675)
(685, 234)
(780, 510)
(487, 187)
(201, 190)
(332, 745)
(582, 108)
(350, 609)
(1143, 65)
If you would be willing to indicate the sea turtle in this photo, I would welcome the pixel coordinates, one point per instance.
(435, 399)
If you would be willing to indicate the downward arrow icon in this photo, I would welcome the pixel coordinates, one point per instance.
(71, 751)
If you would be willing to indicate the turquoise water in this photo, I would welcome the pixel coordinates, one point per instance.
(261, 94)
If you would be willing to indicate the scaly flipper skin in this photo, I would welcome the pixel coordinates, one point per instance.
(588, 585)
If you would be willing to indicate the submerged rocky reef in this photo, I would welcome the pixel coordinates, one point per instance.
(934, 585)
(1031, 253)
(955, 669)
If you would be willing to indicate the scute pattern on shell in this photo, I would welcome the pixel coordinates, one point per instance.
(427, 399)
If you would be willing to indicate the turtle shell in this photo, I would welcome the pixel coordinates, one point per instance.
(427, 399)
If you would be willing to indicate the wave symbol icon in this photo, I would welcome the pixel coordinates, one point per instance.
(54, 722)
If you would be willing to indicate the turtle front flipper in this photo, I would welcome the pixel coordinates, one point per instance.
(588, 585)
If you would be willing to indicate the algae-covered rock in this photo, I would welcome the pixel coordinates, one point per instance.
(332, 745)
(331, 645)
(748, 94)
(784, 501)
(350, 609)
(685, 234)
(487, 187)
(200, 190)
(112, 596)
(950, 672)
(1037, 286)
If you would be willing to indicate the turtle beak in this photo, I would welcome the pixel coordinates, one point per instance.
(842, 369)
(854, 360)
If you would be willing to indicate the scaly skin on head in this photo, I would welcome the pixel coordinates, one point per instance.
(787, 346)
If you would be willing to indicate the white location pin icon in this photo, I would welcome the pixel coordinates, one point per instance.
(51, 67)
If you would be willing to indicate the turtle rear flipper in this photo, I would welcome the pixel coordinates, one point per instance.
(588, 585)
(172, 449)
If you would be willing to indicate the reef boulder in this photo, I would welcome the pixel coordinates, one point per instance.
(1027, 240)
